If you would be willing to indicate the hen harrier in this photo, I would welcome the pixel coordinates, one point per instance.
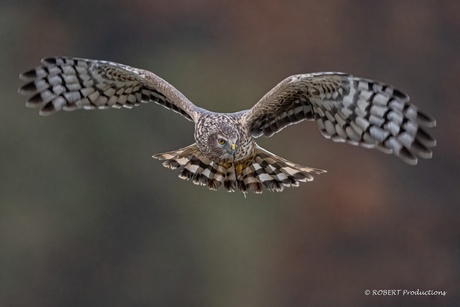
(348, 109)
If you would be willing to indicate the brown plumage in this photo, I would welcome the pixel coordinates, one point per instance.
(347, 109)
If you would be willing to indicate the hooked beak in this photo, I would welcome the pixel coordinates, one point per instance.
(233, 147)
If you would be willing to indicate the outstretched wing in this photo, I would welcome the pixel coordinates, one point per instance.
(65, 83)
(347, 109)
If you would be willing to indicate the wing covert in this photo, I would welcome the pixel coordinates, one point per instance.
(290, 101)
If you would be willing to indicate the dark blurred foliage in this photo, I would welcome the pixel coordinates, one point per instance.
(87, 218)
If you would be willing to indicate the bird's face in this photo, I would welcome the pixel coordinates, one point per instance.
(218, 138)
(223, 146)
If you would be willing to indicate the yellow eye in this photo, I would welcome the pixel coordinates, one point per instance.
(221, 141)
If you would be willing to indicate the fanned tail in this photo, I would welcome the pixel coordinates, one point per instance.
(195, 166)
(269, 171)
(263, 170)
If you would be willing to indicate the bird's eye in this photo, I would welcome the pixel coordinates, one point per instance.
(221, 141)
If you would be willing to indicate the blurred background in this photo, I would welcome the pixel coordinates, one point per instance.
(88, 218)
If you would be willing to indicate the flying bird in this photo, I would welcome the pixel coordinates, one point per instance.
(347, 109)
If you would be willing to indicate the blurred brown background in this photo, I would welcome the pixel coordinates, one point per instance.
(87, 218)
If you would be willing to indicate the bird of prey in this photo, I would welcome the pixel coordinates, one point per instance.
(347, 109)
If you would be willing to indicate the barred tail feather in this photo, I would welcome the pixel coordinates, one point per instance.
(263, 170)
(195, 166)
(273, 173)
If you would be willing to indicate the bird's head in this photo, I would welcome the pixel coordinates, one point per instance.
(223, 146)
(218, 138)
